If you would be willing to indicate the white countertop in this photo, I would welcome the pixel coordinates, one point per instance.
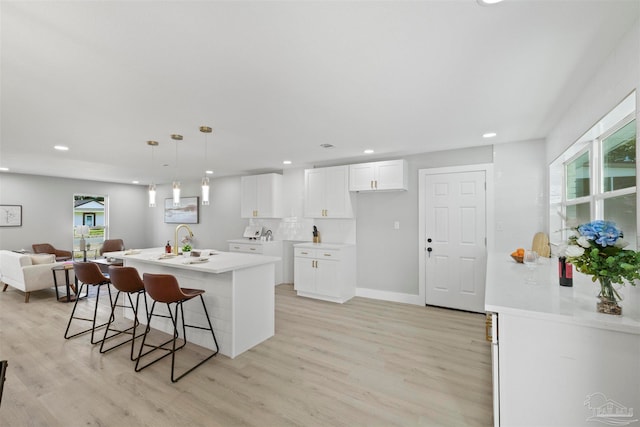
(216, 261)
(508, 292)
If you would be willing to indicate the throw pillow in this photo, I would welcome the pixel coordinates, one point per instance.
(43, 259)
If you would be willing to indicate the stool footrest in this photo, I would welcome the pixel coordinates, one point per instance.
(128, 331)
(173, 315)
(94, 327)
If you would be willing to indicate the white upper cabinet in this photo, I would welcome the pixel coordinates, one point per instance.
(327, 193)
(261, 196)
(378, 176)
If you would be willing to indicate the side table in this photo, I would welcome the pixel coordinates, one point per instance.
(65, 267)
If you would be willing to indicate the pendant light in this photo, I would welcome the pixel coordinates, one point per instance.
(205, 178)
(152, 186)
(176, 183)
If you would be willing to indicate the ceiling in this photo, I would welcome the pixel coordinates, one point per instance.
(276, 79)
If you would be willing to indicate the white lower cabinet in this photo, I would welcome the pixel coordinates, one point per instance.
(582, 375)
(556, 361)
(260, 247)
(325, 271)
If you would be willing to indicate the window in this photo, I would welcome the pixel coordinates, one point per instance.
(90, 211)
(578, 175)
(619, 158)
(596, 177)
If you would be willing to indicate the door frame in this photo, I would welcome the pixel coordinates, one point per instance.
(487, 168)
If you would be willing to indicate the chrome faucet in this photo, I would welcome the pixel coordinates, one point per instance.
(175, 241)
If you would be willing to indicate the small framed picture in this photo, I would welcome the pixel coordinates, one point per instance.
(186, 213)
(10, 215)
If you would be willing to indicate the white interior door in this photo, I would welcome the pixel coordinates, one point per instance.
(455, 239)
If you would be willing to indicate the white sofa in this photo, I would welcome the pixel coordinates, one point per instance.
(28, 272)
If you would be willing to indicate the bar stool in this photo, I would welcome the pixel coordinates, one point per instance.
(89, 274)
(164, 288)
(126, 280)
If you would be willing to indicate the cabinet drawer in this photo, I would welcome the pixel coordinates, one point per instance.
(304, 252)
(328, 254)
(243, 247)
(320, 254)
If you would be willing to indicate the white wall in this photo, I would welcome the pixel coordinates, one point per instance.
(618, 76)
(47, 210)
(521, 193)
(387, 259)
(218, 222)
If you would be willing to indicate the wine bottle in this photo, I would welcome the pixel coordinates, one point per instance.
(565, 272)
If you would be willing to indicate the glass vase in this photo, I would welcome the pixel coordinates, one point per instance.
(608, 298)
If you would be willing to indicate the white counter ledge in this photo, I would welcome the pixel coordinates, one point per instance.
(507, 292)
(239, 293)
(552, 352)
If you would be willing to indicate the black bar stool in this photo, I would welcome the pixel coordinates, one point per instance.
(164, 288)
(126, 280)
(89, 274)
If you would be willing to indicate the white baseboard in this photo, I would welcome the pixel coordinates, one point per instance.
(389, 296)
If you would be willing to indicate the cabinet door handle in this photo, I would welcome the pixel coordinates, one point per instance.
(376, 181)
(371, 184)
(252, 249)
(487, 328)
(327, 254)
(304, 253)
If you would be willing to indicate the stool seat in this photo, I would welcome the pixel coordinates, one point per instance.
(190, 293)
(164, 288)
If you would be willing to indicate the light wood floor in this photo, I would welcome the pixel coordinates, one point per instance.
(365, 362)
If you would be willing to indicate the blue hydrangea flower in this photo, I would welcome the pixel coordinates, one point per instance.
(604, 233)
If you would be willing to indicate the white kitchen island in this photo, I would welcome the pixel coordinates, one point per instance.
(239, 294)
(556, 360)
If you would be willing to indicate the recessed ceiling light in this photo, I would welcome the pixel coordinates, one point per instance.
(489, 135)
(326, 145)
(488, 2)
(369, 151)
(286, 162)
(4, 169)
(61, 147)
(135, 182)
(209, 172)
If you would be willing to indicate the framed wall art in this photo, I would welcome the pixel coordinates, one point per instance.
(10, 215)
(186, 213)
